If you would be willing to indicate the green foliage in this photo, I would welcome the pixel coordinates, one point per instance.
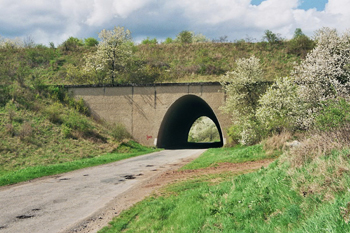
(149, 41)
(238, 154)
(41, 125)
(33, 172)
(168, 40)
(333, 115)
(185, 37)
(271, 37)
(4, 95)
(119, 132)
(280, 107)
(300, 44)
(90, 42)
(279, 198)
(244, 86)
(203, 130)
(71, 44)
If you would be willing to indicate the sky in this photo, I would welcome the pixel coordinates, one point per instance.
(46, 21)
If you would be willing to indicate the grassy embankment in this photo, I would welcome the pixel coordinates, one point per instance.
(44, 132)
(299, 192)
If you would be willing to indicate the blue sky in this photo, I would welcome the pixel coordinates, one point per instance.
(305, 4)
(55, 20)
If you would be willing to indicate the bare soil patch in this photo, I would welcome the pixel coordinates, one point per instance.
(136, 194)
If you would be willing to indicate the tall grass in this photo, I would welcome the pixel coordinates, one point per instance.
(268, 200)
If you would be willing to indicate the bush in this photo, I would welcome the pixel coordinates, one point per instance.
(4, 95)
(150, 41)
(71, 44)
(333, 115)
(244, 86)
(168, 40)
(185, 37)
(90, 42)
(300, 44)
(54, 112)
(119, 132)
(280, 107)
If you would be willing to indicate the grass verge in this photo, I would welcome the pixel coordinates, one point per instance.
(124, 151)
(238, 154)
(271, 199)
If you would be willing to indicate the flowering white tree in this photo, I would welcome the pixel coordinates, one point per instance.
(6, 43)
(325, 73)
(244, 86)
(113, 53)
(296, 101)
(280, 107)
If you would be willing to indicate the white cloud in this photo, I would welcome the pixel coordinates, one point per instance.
(49, 20)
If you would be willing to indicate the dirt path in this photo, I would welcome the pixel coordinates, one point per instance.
(136, 194)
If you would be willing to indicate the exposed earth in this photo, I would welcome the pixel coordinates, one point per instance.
(87, 199)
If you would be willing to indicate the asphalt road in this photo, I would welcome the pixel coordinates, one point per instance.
(56, 204)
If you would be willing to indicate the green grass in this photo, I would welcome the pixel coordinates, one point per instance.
(128, 150)
(267, 200)
(238, 154)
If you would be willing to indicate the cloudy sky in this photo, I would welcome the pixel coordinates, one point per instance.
(55, 20)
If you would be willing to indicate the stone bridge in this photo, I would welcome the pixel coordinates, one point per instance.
(158, 114)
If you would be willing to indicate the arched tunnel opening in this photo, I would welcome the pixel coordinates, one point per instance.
(177, 122)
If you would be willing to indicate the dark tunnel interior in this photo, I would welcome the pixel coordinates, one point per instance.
(177, 122)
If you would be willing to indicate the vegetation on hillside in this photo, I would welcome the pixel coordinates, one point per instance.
(304, 117)
(187, 58)
(41, 126)
(295, 102)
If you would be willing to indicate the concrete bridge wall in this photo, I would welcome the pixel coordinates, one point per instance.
(142, 108)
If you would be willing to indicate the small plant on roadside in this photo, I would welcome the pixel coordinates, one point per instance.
(119, 132)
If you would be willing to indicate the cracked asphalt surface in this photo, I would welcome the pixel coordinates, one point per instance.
(60, 203)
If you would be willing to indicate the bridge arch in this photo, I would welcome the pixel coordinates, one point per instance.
(177, 122)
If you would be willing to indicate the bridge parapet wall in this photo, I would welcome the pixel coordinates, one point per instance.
(141, 108)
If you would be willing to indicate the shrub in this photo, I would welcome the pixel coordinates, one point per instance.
(325, 73)
(10, 129)
(54, 112)
(280, 107)
(26, 130)
(271, 37)
(119, 132)
(149, 41)
(300, 44)
(333, 114)
(184, 37)
(71, 44)
(4, 96)
(244, 86)
(168, 40)
(90, 42)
